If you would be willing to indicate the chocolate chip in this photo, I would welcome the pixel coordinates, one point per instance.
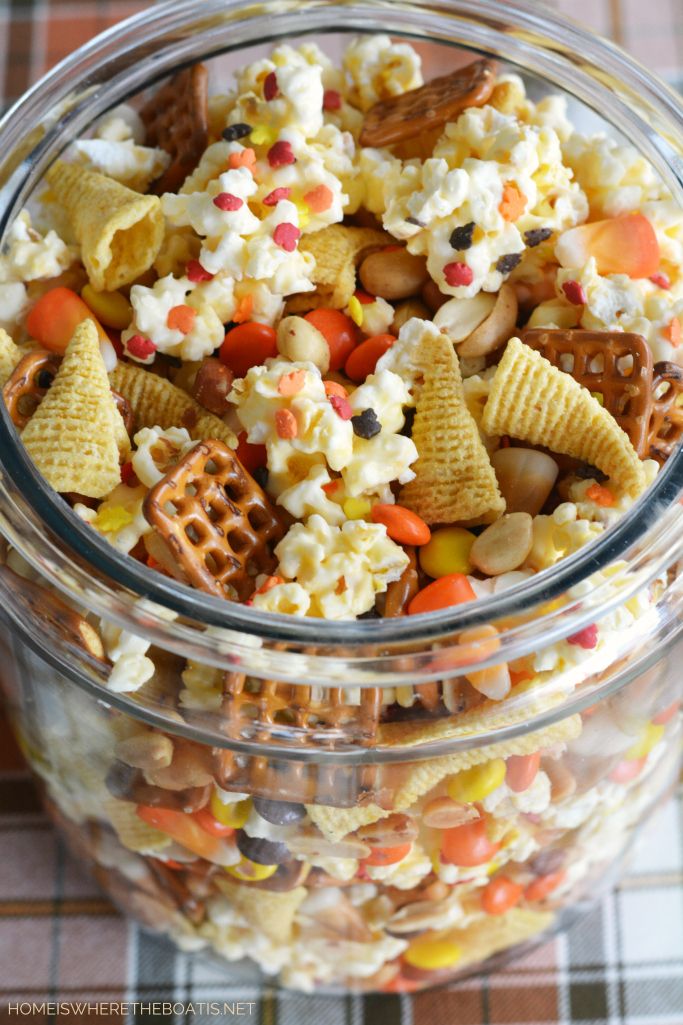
(262, 851)
(508, 262)
(280, 813)
(260, 475)
(461, 238)
(238, 131)
(365, 424)
(535, 236)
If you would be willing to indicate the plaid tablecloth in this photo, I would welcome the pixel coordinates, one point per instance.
(60, 939)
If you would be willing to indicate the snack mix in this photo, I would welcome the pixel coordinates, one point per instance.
(342, 344)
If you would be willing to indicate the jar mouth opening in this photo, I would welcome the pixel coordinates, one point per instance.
(58, 543)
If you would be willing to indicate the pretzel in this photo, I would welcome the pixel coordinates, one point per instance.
(176, 120)
(223, 524)
(666, 422)
(626, 393)
(431, 105)
(28, 384)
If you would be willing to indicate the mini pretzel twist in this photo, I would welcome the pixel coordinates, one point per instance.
(666, 423)
(28, 384)
(176, 120)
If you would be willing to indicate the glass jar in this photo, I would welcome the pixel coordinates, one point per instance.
(342, 804)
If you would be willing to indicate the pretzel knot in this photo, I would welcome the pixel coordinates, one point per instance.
(215, 520)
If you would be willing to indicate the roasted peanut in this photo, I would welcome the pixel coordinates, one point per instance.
(300, 341)
(394, 831)
(393, 273)
(444, 813)
(146, 750)
(504, 545)
(496, 329)
(405, 311)
(460, 317)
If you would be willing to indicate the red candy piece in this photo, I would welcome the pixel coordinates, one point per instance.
(140, 347)
(458, 274)
(575, 293)
(248, 345)
(331, 99)
(341, 406)
(226, 201)
(270, 86)
(286, 236)
(586, 638)
(195, 272)
(276, 195)
(280, 154)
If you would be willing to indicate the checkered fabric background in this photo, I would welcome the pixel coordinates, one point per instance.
(60, 939)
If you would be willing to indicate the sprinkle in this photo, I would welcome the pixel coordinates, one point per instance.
(508, 262)
(245, 308)
(586, 638)
(355, 311)
(270, 86)
(269, 583)
(575, 293)
(195, 272)
(112, 519)
(319, 199)
(286, 236)
(458, 274)
(285, 424)
(140, 347)
(276, 195)
(600, 495)
(181, 318)
(291, 384)
(280, 154)
(341, 585)
(661, 280)
(243, 158)
(535, 236)
(365, 424)
(262, 135)
(238, 131)
(342, 407)
(332, 486)
(226, 201)
(363, 298)
(513, 203)
(461, 238)
(334, 388)
(331, 99)
(673, 332)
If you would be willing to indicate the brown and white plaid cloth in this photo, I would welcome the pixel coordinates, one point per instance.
(62, 942)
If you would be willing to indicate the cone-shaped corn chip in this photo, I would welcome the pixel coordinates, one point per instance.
(454, 479)
(491, 933)
(269, 911)
(337, 250)
(10, 354)
(72, 436)
(119, 231)
(157, 402)
(534, 401)
(133, 833)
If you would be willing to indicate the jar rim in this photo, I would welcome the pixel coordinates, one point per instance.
(64, 549)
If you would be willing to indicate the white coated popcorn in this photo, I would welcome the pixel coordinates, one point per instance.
(379, 68)
(126, 503)
(342, 568)
(13, 304)
(157, 451)
(132, 165)
(29, 256)
(288, 599)
(151, 308)
(307, 497)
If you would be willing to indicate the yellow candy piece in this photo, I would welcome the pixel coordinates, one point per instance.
(432, 954)
(476, 783)
(111, 308)
(356, 508)
(448, 551)
(234, 814)
(250, 871)
(650, 737)
(262, 135)
(113, 518)
(355, 310)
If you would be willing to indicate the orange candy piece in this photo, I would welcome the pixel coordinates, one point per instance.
(387, 855)
(403, 525)
(543, 886)
(363, 360)
(55, 317)
(338, 330)
(468, 845)
(181, 827)
(600, 495)
(211, 825)
(248, 345)
(243, 158)
(500, 895)
(319, 199)
(513, 203)
(673, 332)
(454, 589)
(181, 318)
(621, 245)
(521, 771)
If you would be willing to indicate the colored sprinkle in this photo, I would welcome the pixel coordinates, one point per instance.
(342, 407)
(319, 199)
(280, 154)
(458, 274)
(270, 86)
(575, 293)
(513, 203)
(334, 388)
(600, 495)
(355, 311)
(661, 280)
(286, 236)
(535, 236)
(586, 638)
(673, 332)
(508, 262)
(226, 201)
(234, 132)
(181, 318)
(461, 238)
(243, 158)
(112, 519)
(195, 272)
(365, 424)
(269, 583)
(140, 347)
(291, 384)
(276, 195)
(245, 308)
(331, 99)
(285, 424)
